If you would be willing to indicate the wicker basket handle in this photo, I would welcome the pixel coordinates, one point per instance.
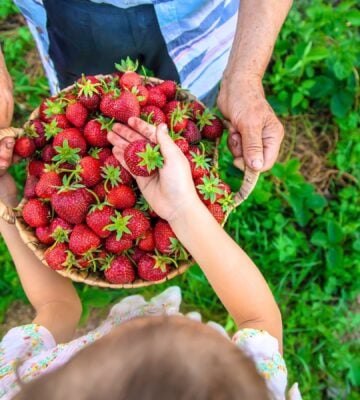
(7, 213)
(249, 181)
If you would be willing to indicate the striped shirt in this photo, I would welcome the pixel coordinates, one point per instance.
(198, 35)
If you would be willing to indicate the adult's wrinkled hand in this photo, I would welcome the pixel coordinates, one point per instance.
(255, 133)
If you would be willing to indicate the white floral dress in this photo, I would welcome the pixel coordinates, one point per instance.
(31, 349)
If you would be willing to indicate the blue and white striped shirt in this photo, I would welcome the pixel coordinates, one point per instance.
(198, 35)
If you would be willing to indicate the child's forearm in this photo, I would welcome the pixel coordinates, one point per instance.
(54, 298)
(234, 277)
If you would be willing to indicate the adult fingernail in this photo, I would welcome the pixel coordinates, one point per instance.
(10, 144)
(256, 164)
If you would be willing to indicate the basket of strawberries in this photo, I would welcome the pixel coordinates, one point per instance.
(82, 213)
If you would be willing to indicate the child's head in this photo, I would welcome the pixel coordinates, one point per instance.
(154, 358)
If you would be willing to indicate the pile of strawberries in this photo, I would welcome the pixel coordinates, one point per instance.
(83, 206)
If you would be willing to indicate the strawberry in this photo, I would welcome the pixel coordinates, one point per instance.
(138, 223)
(48, 185)
(30, 187)
(77, 114)
(196, 109)
(112, 160)
(36, 168)
(83, 239)
(74, 138)
(177, 120)
(60, 230)
(96, 130)
(61, 121)
(129, 78)
(50, 107)
(117, 246)
(120, 107)
(24, 147)
(36, 213)
(71, 203)
(191, 133)
(121, 197)
(164, 237)
(37, 132)
(151, 268)
(211, 126)
(136, 256)
(90, 171)
(48, 153)
(217, 212)
(171, 106)
(143, 158)
(156, 97)
(116, 174)
(153, 115)
(44, 235)
(56, 256)
(147, 242)
(183, 144)
(119, 271)
(142, 94)
(104, 154)
(88, 94)
(98, 218)
(168, 88)
(100, 191)
(199, 164)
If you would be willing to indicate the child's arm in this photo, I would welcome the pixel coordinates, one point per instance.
(171, 193)
(57, 305)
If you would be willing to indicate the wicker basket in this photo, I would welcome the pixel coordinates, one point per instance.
(14, 216)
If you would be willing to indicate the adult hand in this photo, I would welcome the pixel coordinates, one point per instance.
(255, 132)
(170, 189)
(6, 95)
(8, 191)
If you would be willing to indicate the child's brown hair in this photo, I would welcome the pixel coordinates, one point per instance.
(157, 358)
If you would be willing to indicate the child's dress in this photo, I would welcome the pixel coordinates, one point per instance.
(31, 349)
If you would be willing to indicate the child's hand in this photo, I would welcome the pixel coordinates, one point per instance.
(171, 189)
(8, 191)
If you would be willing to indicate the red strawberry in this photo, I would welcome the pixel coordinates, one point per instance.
(196, 108)
(44, 235)
(48, 153)
(36, 213)
(48, 185)
(60, 230)
(24, 147)
(56, 256)
(168, 88)
(50, 107)
(130, 79)
(147, 242)
(143, 158)
(72, 205)
(74, 138)
(150, 269)
(89, 90)
(83, 239)
(77, 114)
(137, 224)
(171, 106)
(137, 255)
(112, 160)
(177, 120)
(199, 164)
(36, 168)
(121, 197)
(99, 218)
(120, 271)
(211, 126)
(183, 144)
(153, 115)
(117, 246)
(96, 131)
(217, 212)
(90, 171)
(104, 154)
(90, 102)
(38, 130)
(30, 187)
(164, 237)
(125, 176)
(191, 133)
(142, 94)
(61, 121)
(211, 189)
(121, 108)
(100, 191)
(156, 97)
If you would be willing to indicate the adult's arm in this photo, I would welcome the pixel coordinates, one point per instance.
(6, 95)
(255, 132)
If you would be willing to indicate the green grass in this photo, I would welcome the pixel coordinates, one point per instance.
(307, 244)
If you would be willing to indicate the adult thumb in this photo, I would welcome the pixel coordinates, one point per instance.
(253, 148)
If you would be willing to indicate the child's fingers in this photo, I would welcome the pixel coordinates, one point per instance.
(167, 146)
(147, 130)
(6, 152)
(116, 140)
(126, 133)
